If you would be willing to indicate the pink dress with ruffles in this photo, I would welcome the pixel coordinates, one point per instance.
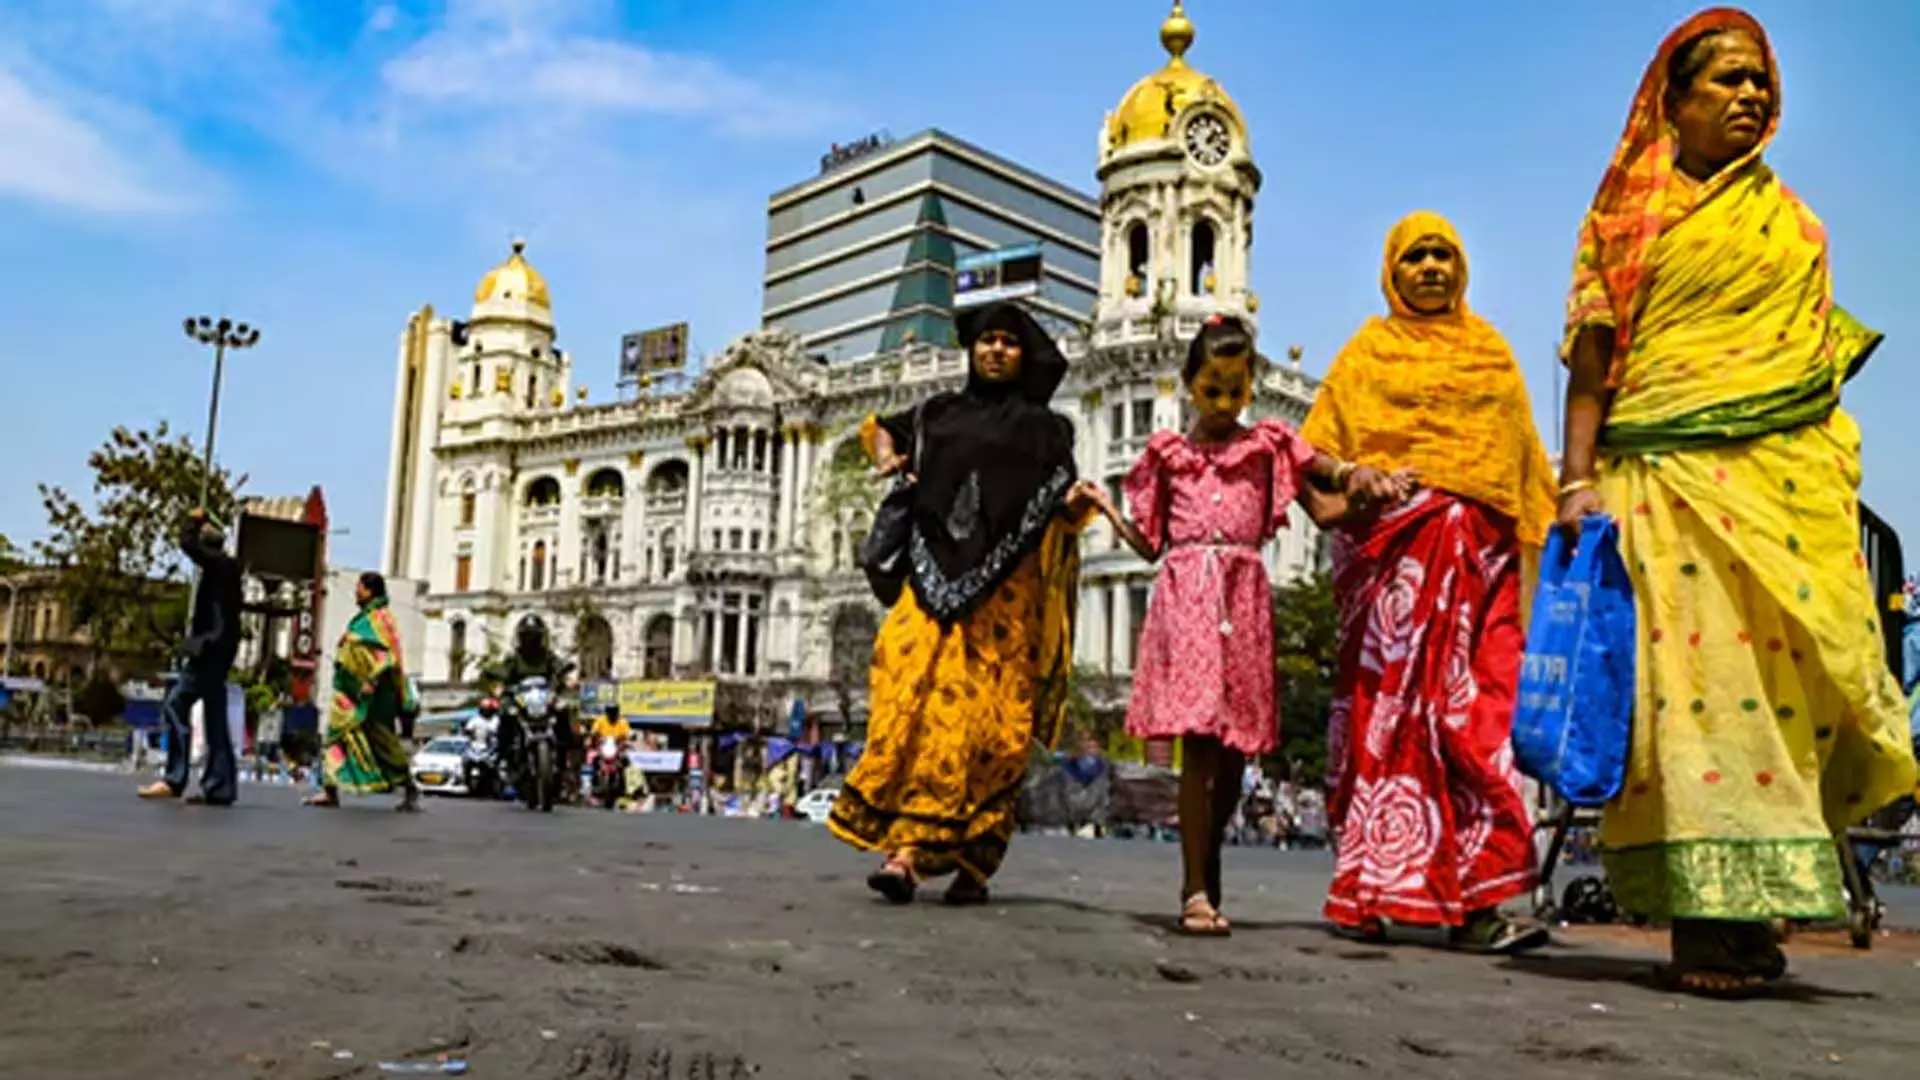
(1205, 661)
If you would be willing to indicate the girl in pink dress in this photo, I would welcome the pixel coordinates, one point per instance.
(1203, 504)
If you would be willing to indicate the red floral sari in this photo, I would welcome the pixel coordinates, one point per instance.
(1431, 821)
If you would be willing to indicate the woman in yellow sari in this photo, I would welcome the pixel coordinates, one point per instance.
(1703, 413)
(971, 666)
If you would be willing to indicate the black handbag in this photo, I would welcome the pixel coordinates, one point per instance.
(883, 554)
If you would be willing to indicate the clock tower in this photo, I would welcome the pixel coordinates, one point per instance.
(1177, 182)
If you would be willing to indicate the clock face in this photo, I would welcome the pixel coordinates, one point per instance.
(1207, 139)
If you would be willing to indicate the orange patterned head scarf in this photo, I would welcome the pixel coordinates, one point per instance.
(1440, 394)
(1631, 209)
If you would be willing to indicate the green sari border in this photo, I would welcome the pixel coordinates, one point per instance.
(1805, 403)
(1729, 879)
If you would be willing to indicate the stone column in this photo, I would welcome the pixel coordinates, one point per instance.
(783, 510)
(696, 480)
(1118, 627)
(567, 548)
(633, 521)
(803, 514)
(1086, 634)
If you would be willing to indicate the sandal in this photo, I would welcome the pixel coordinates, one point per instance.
(323, 800)
(1725, 960)
(895, 880)
(966, 891)
(1495, 934)
(1199, 919)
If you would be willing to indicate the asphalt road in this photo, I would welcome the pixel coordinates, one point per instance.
(142, 941)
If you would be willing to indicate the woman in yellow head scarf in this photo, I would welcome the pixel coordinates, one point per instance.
(1703, 412)
(1433, 827)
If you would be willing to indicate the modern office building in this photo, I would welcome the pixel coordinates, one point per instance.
(860, 259)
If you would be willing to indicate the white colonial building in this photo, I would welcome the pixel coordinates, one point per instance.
(710, 532)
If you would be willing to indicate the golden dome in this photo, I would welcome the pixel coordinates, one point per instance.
(515, 279)
(1149, 108)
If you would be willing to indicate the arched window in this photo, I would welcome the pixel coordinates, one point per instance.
(594, 641)
(456, 651)
(539, 565)
(606, 484)
(659, 647)
(1137, 252)
(1201, 261)
(544, 491)
(669, 553)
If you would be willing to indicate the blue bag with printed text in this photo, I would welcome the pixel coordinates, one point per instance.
(1574, 721)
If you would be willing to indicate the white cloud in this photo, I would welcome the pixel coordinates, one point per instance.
(55, 156)
(383, 19)
(507, 53)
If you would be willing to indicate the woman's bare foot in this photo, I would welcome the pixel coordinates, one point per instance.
(323, 799)
(159, 789)
(1718, 983)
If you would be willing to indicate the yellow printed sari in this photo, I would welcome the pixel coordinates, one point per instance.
(1766, 718)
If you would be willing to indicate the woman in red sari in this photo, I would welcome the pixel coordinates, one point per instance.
(1433, 828)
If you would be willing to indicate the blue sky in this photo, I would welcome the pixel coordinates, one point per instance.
(324, 168)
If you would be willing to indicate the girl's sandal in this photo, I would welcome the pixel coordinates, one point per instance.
(895, 880)
(1199, 919)
(326, 802)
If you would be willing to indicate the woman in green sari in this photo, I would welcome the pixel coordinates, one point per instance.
(371, 692)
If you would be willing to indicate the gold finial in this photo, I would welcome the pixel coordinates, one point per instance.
(520, 246)
(579, 393)
(1177, 34)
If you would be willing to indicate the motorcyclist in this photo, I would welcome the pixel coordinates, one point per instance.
(611, 725)
(483, 733)
(532, 657)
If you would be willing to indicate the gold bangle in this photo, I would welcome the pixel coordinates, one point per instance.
(1573, 486)
(1342, 473)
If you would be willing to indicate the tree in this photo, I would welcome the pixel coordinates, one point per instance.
(11, 557)
(846, 492)
(121, 569)
(1306, 647)
(1086, 717)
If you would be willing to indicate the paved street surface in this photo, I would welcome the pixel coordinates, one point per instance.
(155, 941)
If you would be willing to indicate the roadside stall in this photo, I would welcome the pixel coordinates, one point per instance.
(672, 721)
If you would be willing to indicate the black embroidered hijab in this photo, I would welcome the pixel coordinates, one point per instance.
(996, 466)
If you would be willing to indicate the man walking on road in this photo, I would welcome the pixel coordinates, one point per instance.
(213, 639)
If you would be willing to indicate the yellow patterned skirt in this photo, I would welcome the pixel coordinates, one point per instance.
(1766, 718)
(953, 712)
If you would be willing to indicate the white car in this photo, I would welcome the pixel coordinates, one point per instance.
(440, 766)
(816, 805)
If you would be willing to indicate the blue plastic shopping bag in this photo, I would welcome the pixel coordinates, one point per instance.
(1575, 716)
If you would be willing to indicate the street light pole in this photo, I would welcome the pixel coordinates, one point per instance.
(223, 334)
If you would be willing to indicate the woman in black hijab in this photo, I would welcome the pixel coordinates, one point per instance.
(971, 666)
